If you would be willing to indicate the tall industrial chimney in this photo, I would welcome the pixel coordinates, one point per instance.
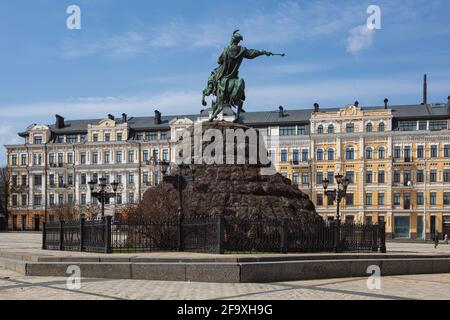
(425, 90)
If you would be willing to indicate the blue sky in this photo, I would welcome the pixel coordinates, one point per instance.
(138, 56)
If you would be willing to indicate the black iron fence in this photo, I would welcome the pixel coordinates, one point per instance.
(212, 234)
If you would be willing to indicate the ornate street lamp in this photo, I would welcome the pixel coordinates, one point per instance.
(180, 182)
(337, 195)
(103, 195)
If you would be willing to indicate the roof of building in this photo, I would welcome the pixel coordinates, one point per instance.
(301, 116)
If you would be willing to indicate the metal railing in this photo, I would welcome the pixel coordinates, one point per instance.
(217, 234)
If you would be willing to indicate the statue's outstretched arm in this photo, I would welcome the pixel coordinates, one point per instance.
(252, 53)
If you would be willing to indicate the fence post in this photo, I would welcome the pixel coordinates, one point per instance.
(284, 235)
(82, 221)
(44, 235)
(220, 234)
(337, 237)
(375, 234)
(61, 234)
(180, 235)
(383, 237)
(108, 234)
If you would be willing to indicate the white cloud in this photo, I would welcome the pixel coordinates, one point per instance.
(360, 38)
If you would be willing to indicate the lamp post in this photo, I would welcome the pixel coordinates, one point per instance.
(103, 195)
(179, 181)
(337, 195)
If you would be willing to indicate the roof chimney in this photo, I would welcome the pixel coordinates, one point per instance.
(281, 111)
(59, 124)
(111, 117)
(157, 117)
(124, 117)
(356, 104)
(316, 107)
(425, 90)
(386, 101)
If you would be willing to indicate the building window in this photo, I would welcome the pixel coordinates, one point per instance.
(131, 178)
(330, 177)
(295, 156)
(38, 140)
(381, 127)
(51, 200)
(446, 175)
(145, 155)
(131, 198)
(319, 178)
(369, 127)
(320, 129)
(407, 153)
(83, 157)
(119, 136)
(71, 139)
(305, 179)
(330, 129)
(420, 176)
(381, 153)
(14, 160)
(130, 156)
(447, 151)
(37, 200)
(350, 176)
(61, 181)
(330, 154)
(60, 199)
(433, 198)
(369, 177)
(319, 156)
(319, 199)
(396, 199)
(381, 177)
(83, 179)
(14, 200)
(438, 125)
(349, 200)
(24, 200)
(94, 157)
(118, 156)
(60, 158)
(434, 152)
(70, 179)
(408, 126)
(70, 158)
(305, 155)
(284, 156)
(350, 128)
(420, 199)
(23, 160)
(402, 227)
(83, 199)
(381, 199)
(350, 154)
(420, 152)
(14, 181)
(407, 180)
(163, 135)
(369, 154)
(70, 198)
(446, 198)
(106, 157)
(38, 180)
(301, 130)
(24, 180)
(397, 152)
(107, 137)
(60, 139)
(396, 176)
(368, 199)
(150, 136)
(165, 155)
(95, 137)
(433, 176)
(407, 201)
(288, 131)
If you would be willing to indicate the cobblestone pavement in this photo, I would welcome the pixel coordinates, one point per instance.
(16, 287)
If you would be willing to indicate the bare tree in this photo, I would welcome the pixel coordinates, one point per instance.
(5, 179)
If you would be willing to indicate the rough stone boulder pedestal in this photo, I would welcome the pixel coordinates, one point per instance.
(238, 190)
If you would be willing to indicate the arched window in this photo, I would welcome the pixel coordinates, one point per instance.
(369, 127)
(369, 153)
(350, 154)
(319, 156)
(381, 153)
(330, 154)
(381, 127)
(320, 129)
(350, 128)
(330, 129)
